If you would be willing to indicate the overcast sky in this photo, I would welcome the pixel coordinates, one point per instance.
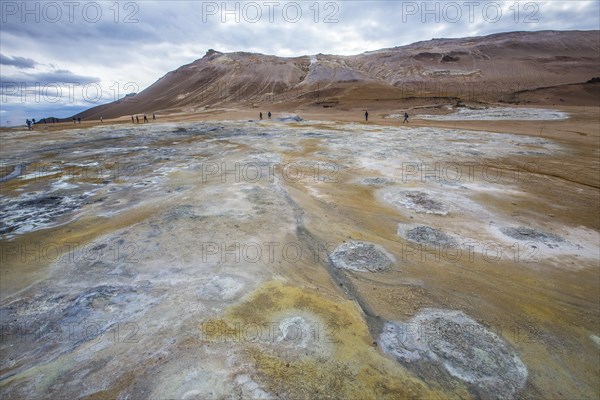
(61, 57)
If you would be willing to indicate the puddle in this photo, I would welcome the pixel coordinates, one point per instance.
(500, 113)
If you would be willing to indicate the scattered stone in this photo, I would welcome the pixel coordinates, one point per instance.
(428, 235)
(362, 257)
(379, 180)
(463, 347)
(448, 58)
(420, 202)
(529, 234)
(596, 340)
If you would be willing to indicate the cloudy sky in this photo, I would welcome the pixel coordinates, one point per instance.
(61, 57)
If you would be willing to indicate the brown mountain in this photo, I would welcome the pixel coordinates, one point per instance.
(499, 67)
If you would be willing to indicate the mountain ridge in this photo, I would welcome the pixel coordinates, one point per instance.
(482, 68)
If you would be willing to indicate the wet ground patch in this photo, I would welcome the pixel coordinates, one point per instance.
(33, 211)
(499, 113)
(46, 326)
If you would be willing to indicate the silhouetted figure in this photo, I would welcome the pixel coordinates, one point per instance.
(101, 119)
(269, 115)
(74, 120)
(153, 117)
(132, 121)
(145, 118)
(405, 118)
(366, 115)
(260, 115)
(33, 120)
(29, 124)
(137, 119)
(79, 120)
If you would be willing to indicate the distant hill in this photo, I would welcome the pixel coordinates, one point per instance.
(488, 68)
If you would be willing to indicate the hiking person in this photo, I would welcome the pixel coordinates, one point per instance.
(405, 118)
(29, 124)
(260, 115)
(33, 121)
(74, 120)
(132, 121)
(145, 118)
(137, 119)
(101, 121)
(79, 120)
(153, 117)
(269, 115)
(366, 115)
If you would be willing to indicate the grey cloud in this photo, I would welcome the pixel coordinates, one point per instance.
(54, 77)
(19, 62)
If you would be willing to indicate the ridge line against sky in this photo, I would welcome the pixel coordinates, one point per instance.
(59, 58)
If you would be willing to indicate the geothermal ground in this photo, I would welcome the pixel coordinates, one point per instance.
(299, 259)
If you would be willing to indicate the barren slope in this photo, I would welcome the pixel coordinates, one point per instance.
(488, 68)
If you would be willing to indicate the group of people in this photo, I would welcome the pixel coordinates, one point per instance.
(137, 119)
(404, 122)
(31, 122)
